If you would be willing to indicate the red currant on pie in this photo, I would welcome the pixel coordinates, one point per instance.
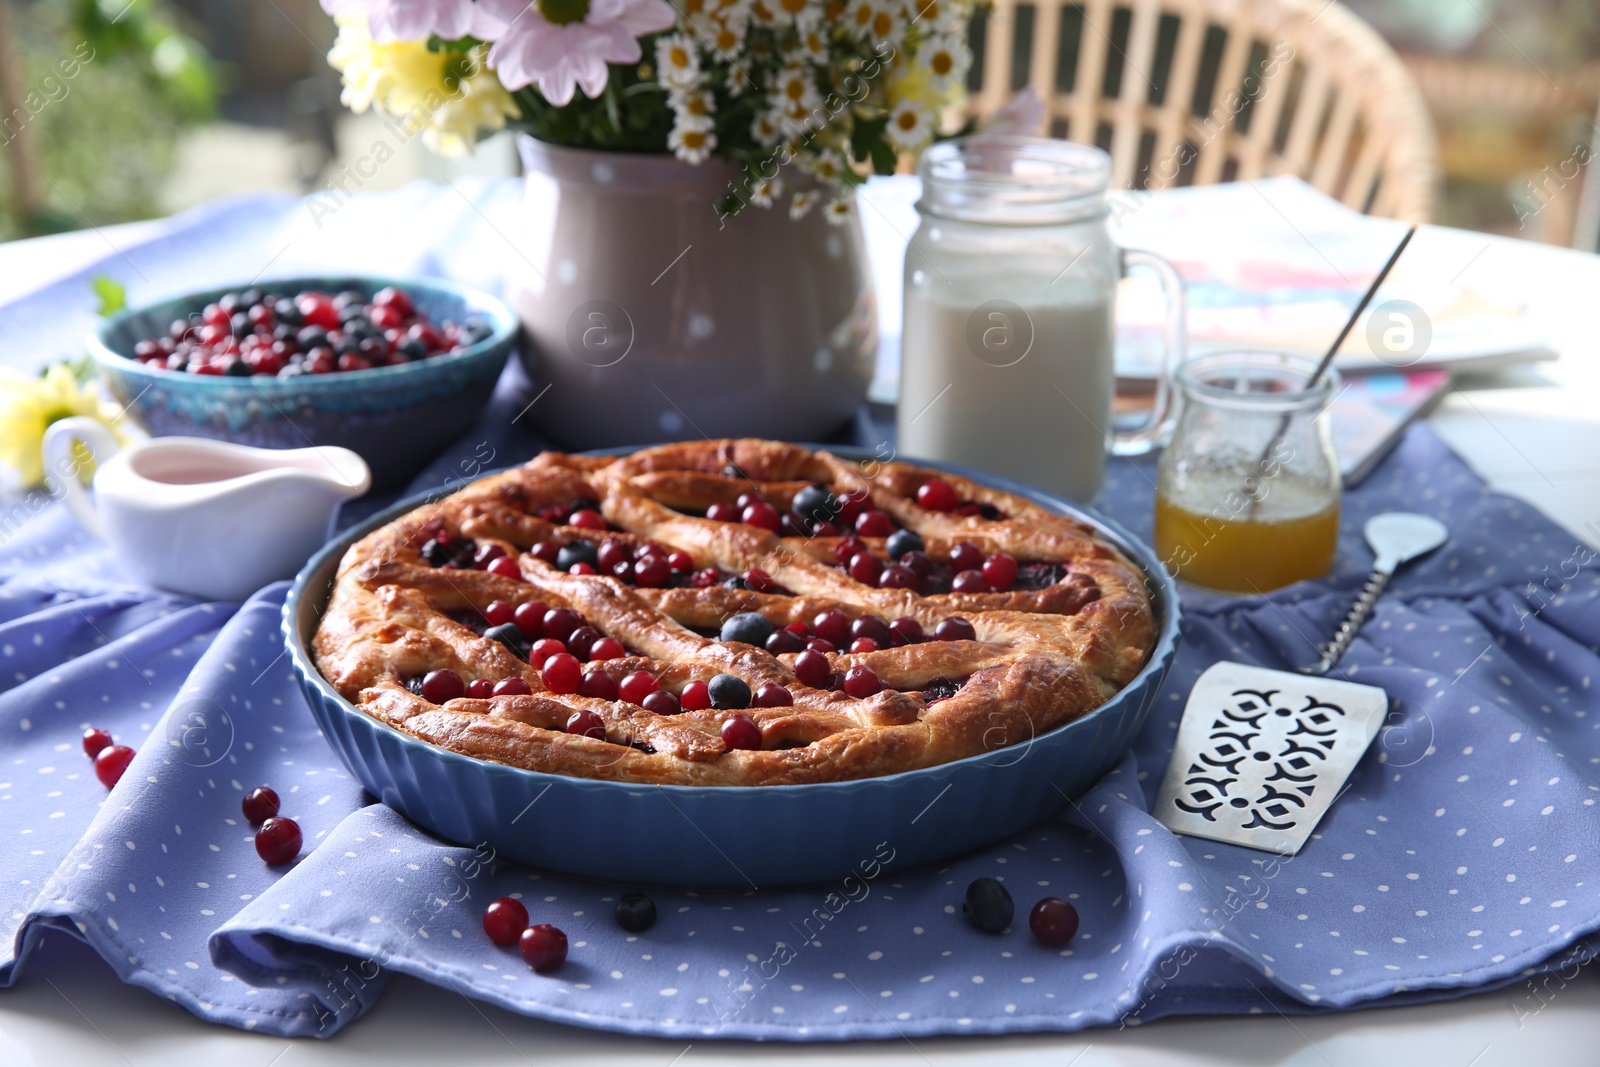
(1000, 570)
(636, 686)
(936, 495)
(761, 514)
(813, 669)
(874, 524)
(865, 568)
(543, 649)
(561, 673)
(966, 556)
(772, 695)
(832, 626)
(662, 702)
(606, 648)
(530, 618)
(970, 582)
(696, 696)
(597, 684)
(861, 682)
(505, 567)
(585, 722)
(741, 731)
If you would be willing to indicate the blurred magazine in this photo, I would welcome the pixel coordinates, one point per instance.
(1274, 264)
(1370, 412)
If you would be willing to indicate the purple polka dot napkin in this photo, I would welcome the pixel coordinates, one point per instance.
(1462, 855)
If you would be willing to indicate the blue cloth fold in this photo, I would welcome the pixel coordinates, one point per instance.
(1462, 856)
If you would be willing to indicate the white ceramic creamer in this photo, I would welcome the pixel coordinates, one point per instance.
(208, 518)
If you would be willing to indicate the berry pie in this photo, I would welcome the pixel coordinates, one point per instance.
(736, 613)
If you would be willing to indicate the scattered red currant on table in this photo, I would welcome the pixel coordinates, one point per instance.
(278, 841)
(110, 762)
(259, 805)
(504, 920)
(1053, 921)
(543, 947)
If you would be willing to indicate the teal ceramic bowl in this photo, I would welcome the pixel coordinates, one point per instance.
(730, 837)
(397, 418)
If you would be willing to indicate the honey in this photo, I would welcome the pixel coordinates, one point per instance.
(1230, 551)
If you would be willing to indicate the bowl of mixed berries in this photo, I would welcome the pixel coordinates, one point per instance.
(393, 369)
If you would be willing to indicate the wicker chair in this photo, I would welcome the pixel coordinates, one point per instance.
(1199, 91)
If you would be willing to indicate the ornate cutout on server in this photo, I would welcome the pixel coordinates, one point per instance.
(1262, 754)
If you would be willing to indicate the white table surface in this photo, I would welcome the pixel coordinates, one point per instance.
(1533, 432)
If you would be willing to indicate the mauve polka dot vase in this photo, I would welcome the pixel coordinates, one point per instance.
(396, 416)
(730, 837)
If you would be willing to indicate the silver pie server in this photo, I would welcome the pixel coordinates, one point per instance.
(1396, 538)
(1261, 754)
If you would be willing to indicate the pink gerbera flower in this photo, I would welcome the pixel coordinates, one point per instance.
(413, 20)
(565, 44)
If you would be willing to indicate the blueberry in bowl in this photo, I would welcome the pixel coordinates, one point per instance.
(394, 369)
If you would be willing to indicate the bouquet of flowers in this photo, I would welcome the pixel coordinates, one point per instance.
(836, 88)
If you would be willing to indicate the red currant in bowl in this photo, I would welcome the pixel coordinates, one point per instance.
(274, 353)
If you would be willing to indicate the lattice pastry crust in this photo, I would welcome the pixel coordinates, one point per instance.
(1041, 657)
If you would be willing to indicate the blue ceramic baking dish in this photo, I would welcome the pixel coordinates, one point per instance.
(397, 418)
(730, 837)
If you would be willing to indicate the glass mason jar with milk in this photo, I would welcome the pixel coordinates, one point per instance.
(1010, 286)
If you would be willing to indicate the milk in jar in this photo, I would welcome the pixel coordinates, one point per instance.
(1007, 352)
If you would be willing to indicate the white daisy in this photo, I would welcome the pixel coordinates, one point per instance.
(839, 210)
(887, 23)
(693, 107)
(910, 125)
(858, 16)
(825, 164)
(946, 60)
(764, 130)
(814, 45)
(931, 16)
(691, 145)
(677, 61)
(801, 203)
(738, 77)
(795, 90)
(726, 36)
(766, 190)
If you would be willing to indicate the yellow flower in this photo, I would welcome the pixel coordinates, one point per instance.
(448, 97)
(29, 405)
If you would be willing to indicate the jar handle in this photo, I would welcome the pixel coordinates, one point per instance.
(1175, 338)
